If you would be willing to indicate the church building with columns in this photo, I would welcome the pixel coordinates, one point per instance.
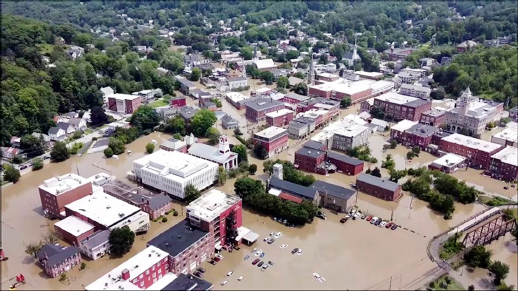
(220, 155)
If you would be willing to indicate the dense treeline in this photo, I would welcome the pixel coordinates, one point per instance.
(33, 92)
(488, 72)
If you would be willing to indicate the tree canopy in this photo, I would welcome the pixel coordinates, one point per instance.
(121, 240)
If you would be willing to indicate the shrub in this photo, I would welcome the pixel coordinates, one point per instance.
(94, 138)
(37, 164)
(164, 219)
(175, 213)
(150, 148)
(83, 266)
(78, 134)
(108, 152)
(17, 159)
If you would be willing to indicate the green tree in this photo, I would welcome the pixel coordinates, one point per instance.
(33, 248)
(267, 77)
(393, 144)
(11, 174)
(195, 74)
(345, 103)
(37, 164)
(301, 89)
(17, 159)
(478, 257)
(213, 135)
(145, 118)
(260, 151)
(108, 152)
(500, 270)
(191, 193)
(222, 175)
(176, 125)
(376, 172)
(438, 94)
(245, 187)
(282, 82)
(59, 152)
(98, 115)
(252, 169)
(388, 163)
(247, 53)
(471, 288)
(395, 175)
(202, 121)
(121, 240)
(116, 145)
(292, 54)
(504, 287)
(32, 146)
(150, 148)
(242, 155)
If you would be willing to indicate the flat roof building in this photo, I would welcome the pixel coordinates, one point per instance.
(188, 282)
(507, 137)
(477, 151)
(504, 164)
(73, 229)
(124, 103)
(222, 155)
(107, 212)
(448, 163)
(172, 171)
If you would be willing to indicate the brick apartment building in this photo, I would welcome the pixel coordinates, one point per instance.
(274, 139)
(402, 107)
(124, 103)
(56, 259)
(218, 213)
(478, 152)
(279, 118)
(395, 54)
(338, 90)
(56, 193)
(326, 77)
(378, 187)
(433, 117)
(294, 98)
(345, 164)
(504, 164)
(310, 160)
(256, 110)
(416, 135)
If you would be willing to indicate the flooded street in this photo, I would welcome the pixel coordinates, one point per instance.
(354, 255)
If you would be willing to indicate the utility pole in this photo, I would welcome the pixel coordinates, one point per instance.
(77, 167)
(392, 214)
(410, 206)
(390, 284)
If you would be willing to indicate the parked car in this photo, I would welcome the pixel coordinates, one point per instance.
(343, 220)
(212, 262)
(230, 273)
(265, 266)
(240, 278)
(389, 225)
(217, 259)
(270, 263)
(364, 216)
(219, 256)
(374, 219)
(260, 264)
(23, 167)
(378, 222)
(369, 218)
(224, 283)
(46, 157)
(201, 270)
(255, 262)
(299, 251)
(295, 250)
(198, 274)
(382, 224)
(394, 227)
(271, 241)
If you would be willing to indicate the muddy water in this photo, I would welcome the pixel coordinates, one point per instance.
(353, 251)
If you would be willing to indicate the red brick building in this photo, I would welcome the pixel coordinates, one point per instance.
(504, 164)
(357, 91)
(73, 229)
(326, 77)
(294, 98)
(274, 139)
(395, 54)
(56, 259)
(433, 117)
(57, 192)
(401, 107)
(178, 102)
(478, 152)
(378, 187)
(345, 164)
(124, 103)
(310, 160)
(417, 135)
(279, 118)
(256, 110)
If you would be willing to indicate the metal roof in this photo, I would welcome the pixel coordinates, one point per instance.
(333, 190)
(344, 158)
(96, 239)
(292, 188)
(383, 183)
(177, 238)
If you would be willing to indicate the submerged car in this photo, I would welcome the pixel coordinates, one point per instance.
(255, 262)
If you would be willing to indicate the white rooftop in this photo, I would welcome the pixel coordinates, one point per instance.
(404, 125)
(176, 165)
(236, 97)
(210, 153)
(62, 184)
(264, 64)
(395, 98)
(368, 74)
(352, 130)
(345, 86)
(471, 142)
(508, 134)
(312, 113)
(123, 96)
(263, 90)
(211, 204)
(102, 208)
(101, 179)
(136, 265)
(509, 155)
(449, 160)
(271, 132)
(357, 119)
(74, 225)
(381, 84)
(278, 113)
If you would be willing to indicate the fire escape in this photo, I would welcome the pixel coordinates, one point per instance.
(231, 229)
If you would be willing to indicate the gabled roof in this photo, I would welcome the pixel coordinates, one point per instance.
(158, 201)
(54, 130)
(292, 188)
(227, 119)
(64, 126)
(383, 183)
(97, 238)
(333, 190)
(75, 121)
(56, 253)
(236, 79)
(344, 158)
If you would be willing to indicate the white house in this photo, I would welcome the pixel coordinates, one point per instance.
(236, 82)
(106, 91)
(96, 245)
(78, 123)
(57, 134)
(67, 127)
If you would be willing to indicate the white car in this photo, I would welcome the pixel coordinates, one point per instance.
(374, 219)
(224, 283)
(277, 234)
(299, 251)
(230, 273)
(358, 214)
(219, 256)
(353, 212)
(240, 278)
(283, 246)
(266, 239)
(383, 224)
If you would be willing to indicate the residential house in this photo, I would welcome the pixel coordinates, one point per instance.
(15, 141)
(57, 134)
(78, 123)
(188, 112)
(466, 46)
(96, 245)
(9, 153)
(513, 114)
(56, 259)
(185, 85)
(237, 82)
(335, 197)
(44, 137)
(229, 123)
(106, 91)
(76, 52)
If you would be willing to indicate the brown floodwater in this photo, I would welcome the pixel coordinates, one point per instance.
(355, 255)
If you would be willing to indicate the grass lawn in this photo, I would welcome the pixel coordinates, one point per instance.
(495, 200)
(159, 103)
(454, 285)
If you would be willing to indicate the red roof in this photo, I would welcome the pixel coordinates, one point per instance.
(289, 197)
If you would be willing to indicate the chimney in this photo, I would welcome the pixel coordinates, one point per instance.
(125, 274)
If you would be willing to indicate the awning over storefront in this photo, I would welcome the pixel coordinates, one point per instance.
(250, 237)
(241, 232)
